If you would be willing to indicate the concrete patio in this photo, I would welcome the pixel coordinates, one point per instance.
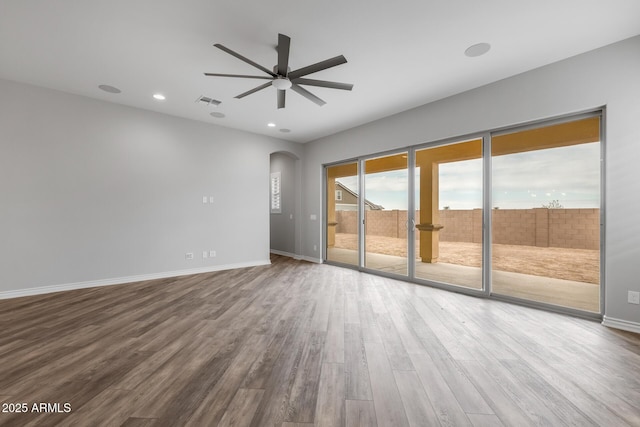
(561, 292)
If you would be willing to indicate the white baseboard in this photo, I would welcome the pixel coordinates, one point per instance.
(295, 256)
(283, 253)
(625, 325)
(121, 280)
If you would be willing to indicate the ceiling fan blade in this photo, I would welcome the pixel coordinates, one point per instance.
(322, 65)
(237, 75)
(323, 83)
(284, 43)
(311, 97)
(245, 59)
(254, 90)
(281, 98)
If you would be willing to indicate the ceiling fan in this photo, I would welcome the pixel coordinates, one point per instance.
(282, 79)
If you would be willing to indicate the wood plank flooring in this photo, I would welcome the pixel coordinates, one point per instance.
(300, 344)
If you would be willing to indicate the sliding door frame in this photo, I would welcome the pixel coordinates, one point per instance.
(410, 214)
(486, 211)
(485, 291)
(600, 113)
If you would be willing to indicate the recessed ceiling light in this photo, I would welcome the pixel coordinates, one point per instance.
(477, 49)
(110, 89)
(285, 130)
(159, 96)
(271, 125)
(217, 115)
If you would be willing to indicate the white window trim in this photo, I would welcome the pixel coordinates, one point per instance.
(275, 189)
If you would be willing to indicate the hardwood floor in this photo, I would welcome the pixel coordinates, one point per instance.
(299, 344)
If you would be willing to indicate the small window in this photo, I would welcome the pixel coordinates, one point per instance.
(339, 195)
(276, 203)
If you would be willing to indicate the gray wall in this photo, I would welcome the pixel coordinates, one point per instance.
(607, 76)
(92, 190)
(283, 224)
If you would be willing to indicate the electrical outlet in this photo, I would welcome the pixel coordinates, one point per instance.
(188, 255)
(315, 248)
(210, 199)
(633, 297)
(212, 254)
(205, 254)
(204, 199)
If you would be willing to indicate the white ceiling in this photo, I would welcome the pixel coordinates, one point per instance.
(400, 54)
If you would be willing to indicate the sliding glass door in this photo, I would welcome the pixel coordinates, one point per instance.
(448, 201)
(546, 214)
(386, 220)
(515, 214)
(342, 201)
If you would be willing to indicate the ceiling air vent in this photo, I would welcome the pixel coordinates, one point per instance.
(208, 101)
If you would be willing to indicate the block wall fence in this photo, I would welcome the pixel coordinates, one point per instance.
(560, 228)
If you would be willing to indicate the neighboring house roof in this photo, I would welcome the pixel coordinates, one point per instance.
(371, 205)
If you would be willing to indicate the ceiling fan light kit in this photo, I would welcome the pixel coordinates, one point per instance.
(281, 83)
(286, 79)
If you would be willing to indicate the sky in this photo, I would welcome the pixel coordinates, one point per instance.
(568, 175)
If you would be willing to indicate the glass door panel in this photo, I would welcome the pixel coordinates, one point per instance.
(386, 205)
(342, 213)
(546, 216)
(448, 202)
